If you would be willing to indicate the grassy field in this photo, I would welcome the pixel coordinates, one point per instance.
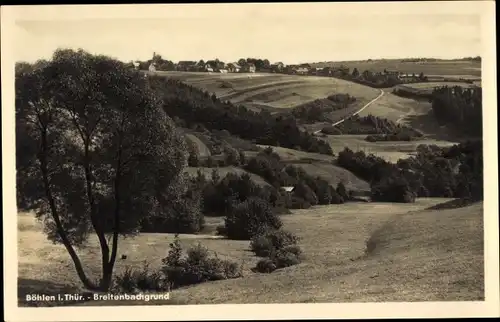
(291, 155)
(355, 252)
(456, 68)
(390, 151)
(334, 174)
(223, 171)
(272, 91)
(432, 85)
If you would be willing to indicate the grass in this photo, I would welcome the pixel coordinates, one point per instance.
(334, 174)
(457, 68)
(291, 155)
(223, 171)
(414, 255)
(272, 91)
(432, 85)
(394, 107)
(390, 151)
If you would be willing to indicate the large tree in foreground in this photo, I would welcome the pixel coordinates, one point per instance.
(96, 153)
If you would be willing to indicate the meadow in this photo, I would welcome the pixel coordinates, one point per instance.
(452, 68)
(355, 252)
(275, 92)
(272, 91)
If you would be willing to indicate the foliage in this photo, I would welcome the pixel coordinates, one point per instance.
(248, 218)
(317, 110)
(197, 107)
(196, 267)
(456, 171)
(269, 241)
(461, 107)
(279, 247)
(132, 281)
(96, 152)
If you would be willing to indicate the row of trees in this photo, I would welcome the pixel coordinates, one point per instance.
(377, 128)
(197, 107)
(319, 109)
(433, 172)
(461, 107)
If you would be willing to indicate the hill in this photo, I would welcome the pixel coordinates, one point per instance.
(445, 262)
(271, 91)
(457, 68)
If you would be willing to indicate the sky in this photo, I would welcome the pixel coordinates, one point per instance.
(310, 34)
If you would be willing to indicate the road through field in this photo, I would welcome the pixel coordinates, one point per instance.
(359, 111)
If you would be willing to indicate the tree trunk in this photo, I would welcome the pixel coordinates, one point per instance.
(60, 229)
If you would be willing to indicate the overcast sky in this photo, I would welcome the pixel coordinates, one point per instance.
(306, 33)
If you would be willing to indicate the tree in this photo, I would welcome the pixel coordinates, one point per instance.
(96, 153)
(355, 73)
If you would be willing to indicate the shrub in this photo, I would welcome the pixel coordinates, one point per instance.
(342, 191)
(331, 130)
(268, 242)
(131, 281)
(265, 265)
(299, 203)
(285, 258)
(197, 267)
(248, 218)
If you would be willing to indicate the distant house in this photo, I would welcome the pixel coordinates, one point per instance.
(277, 67)
(186, 65)
(223, 71)
(136, 64)
(233, 67)
(302, 70)
(152, 67)
(250, 68)
(289, 189)
(209, 68)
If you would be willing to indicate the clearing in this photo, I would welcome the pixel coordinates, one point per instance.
(355, 252)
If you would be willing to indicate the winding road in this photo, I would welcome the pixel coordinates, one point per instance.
(359, 111)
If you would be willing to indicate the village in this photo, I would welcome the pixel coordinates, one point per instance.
(252, 65)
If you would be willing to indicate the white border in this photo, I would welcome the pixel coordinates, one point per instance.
(490, 307)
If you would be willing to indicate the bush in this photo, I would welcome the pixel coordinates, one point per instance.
(299, 203)
(331, 130)
(131, 281)
(265, 265)
(268, 242)
(197, 267)
(249, 218)
(285, 258)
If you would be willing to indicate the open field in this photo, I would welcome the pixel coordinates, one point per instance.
(413, 254)
(432, 85)
(390, 151)
(272, 91)
(223, 171)
(334, 174)
(456, 68)
(291, 155)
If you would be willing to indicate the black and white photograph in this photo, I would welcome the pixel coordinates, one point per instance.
(169, 156)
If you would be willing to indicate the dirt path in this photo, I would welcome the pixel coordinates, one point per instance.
(359, 111)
